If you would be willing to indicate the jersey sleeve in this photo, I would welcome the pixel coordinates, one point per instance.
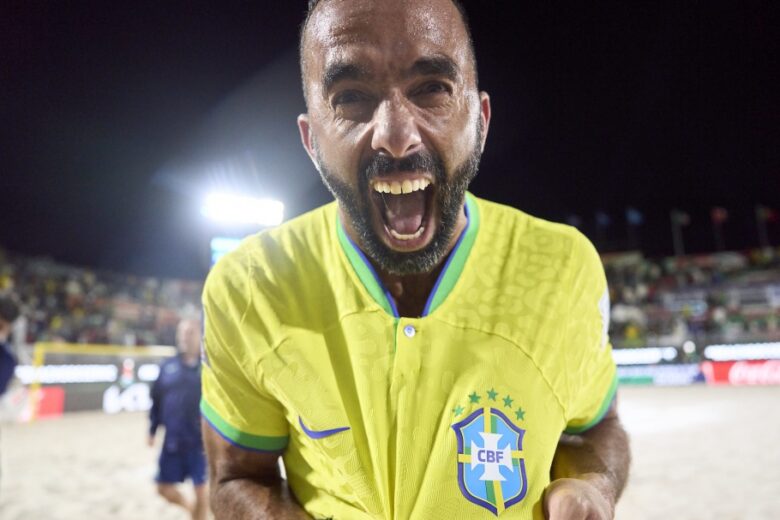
(591, 371)
(234, 400)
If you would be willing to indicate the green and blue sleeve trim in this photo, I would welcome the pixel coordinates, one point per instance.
(605, 404)
(247, 441)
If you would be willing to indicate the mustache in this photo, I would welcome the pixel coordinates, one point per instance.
(378, 165)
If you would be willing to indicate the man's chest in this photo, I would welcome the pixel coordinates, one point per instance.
(423, 403)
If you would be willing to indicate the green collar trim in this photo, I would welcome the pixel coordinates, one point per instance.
(453, 268)
(365, 271)
(448, 277)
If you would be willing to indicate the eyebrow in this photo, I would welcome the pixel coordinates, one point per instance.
(435, 66)
(341, 71)
(428, 66)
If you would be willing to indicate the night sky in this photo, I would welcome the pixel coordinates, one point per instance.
(116, 119)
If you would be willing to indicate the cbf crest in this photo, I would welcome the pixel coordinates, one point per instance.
(491, 466)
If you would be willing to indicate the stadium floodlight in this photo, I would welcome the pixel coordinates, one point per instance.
(242, 210)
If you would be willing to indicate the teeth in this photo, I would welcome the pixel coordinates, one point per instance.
(414, 235)
(397, 188)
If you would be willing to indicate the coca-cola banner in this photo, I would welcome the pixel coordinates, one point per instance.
(764, 372)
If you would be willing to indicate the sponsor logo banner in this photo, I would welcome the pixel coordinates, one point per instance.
(765, 372)
(660, 375)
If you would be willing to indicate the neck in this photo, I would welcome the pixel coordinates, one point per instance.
(189, 359)
(410, 292)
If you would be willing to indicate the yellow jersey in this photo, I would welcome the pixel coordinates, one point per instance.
(455, 414)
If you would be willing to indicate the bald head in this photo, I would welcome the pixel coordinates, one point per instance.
(423, 16)
(188, 337)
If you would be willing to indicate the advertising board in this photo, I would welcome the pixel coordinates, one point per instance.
(756, 372)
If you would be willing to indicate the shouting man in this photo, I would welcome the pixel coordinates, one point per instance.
(411, 351)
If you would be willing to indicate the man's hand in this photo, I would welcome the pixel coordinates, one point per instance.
(589, 472)
(575, 499)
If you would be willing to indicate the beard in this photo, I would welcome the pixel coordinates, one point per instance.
(449, 198)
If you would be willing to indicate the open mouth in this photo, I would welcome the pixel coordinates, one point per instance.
(404, 203)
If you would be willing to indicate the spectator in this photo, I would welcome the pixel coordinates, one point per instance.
(176, 400)
(9, 311)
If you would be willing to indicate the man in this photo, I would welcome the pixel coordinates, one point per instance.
(175, 397)
(411, 351)
(9, 312)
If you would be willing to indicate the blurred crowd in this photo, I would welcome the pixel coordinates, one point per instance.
(63, 303)
(729, 297)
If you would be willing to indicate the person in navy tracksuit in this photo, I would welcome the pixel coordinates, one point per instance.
(9, 311)
(175, 405)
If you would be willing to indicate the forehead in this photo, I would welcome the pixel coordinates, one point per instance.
(390, 32)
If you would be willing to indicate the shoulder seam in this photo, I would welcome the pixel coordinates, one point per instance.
(248, 289)
(578, 244)
(524, 351)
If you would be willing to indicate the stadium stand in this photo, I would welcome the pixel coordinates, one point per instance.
(717, 298)
(708, 299)
(77, 305)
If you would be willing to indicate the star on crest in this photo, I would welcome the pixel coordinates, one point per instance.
(492, 394)
(508, 402)
(474, 398)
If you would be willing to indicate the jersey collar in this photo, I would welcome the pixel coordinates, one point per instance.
(448, 277)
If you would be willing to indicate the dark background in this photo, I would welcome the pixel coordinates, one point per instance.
(116, 119)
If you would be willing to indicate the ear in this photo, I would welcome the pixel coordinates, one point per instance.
(306, 138)
(484, 114)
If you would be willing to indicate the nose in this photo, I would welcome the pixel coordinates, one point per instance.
(395, 129)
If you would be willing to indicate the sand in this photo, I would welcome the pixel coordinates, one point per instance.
(700, 453)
